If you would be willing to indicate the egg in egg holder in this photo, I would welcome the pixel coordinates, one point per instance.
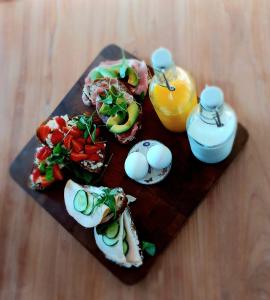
(148, 162)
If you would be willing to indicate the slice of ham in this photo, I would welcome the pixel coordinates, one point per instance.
(92, 90)
(141, 69)
(128, 136)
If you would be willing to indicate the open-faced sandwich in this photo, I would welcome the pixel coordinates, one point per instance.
(113, 88)
(116, 107)
(68, 144)
(80, 135)
(48, 165)
(132, 72)
(119, 241)
(91, 206)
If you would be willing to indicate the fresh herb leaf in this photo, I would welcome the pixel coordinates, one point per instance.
(57, 150)
(49, 173)
(107, 100)
(93, 134)
(141, 96)
(149, 248)
(85, 134)
(107, 198)
(42, 167)
(110, 202)
(80, 125)
(115, 93)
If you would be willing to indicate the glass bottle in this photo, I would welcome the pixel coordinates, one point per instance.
(211, 127)
(172, 91)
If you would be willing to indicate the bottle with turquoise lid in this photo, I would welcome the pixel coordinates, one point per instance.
(211, 127)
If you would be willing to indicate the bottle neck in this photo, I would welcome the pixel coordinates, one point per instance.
(170, 73)
(212, 117)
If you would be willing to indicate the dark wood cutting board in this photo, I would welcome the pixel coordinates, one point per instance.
(160, 210)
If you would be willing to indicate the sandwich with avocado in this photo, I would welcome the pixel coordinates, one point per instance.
(116, 107)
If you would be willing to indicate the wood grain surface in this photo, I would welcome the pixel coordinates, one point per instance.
(223, 252)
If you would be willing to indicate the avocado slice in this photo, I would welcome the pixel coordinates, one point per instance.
(133, 113)
(116, 119)
(133, 78)
(105, 109)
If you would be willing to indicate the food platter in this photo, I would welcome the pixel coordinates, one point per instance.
(172, 200)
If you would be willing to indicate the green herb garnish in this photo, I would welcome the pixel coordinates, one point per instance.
(85, 123)
(149, 248)
(49, 173)
(107, 198)
(42, 167)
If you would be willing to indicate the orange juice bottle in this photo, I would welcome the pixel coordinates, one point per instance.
(172, 91)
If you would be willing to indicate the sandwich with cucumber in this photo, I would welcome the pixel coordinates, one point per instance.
(119, 242)
(91, 206)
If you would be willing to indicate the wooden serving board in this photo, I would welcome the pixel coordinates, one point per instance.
(160, 210)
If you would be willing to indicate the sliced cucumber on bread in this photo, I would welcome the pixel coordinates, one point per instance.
(109, 242)
(112, 230)
(81, 201)
(125, 247)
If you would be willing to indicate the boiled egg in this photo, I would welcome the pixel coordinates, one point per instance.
(159, 156)
(136, 166)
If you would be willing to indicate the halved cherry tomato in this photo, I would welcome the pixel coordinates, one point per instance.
(91, 149)
(67, 141)
(101, 146)
(89, 140)
(57, 136)
(60, 121)
(78, 156)
(36, 174)
(65, 129)
(81, 140)
(76, 146)
(43, 153)
(76, 132)
(94, 157)
(45, 182)
(57, 174)
(43, 132)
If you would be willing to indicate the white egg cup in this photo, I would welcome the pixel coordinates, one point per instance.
(153, 175)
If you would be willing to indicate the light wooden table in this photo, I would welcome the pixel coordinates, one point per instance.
(223, 252)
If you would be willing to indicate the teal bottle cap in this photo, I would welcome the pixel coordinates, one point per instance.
(161, 58)
(212, 98)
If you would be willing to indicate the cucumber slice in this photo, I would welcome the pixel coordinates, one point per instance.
(112, 230)
(80, 201)
(109, 242)
(124, 234)
(125, 247)
(90, 207)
